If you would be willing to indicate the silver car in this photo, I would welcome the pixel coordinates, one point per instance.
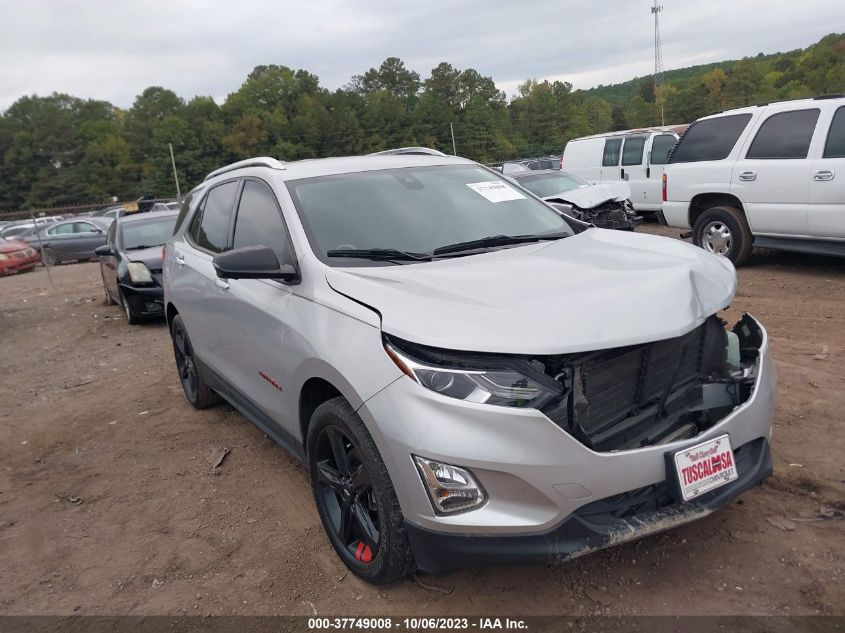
(469, 377)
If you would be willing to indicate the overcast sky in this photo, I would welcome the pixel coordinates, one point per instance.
(112, 50)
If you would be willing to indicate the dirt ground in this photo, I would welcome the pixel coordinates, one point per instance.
(109, 504)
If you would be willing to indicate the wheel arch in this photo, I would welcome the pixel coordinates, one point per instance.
(170, 313)
(703, 201)
(314, 392)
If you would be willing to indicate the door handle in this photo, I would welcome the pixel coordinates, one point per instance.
(180, 260)
(221, 283)
(824, 174)
(624, 177)
(748, 176)
(648, 172)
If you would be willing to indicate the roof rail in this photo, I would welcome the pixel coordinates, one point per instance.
(258, 161)
(426, 151)
(830, 96)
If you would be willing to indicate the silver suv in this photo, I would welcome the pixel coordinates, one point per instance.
(470, 377)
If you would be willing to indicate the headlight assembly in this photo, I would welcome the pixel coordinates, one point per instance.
(139, 273)
(481, 378)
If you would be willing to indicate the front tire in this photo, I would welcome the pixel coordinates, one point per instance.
(199, 394)
(724, 231)
(131, 319)
(354, 495)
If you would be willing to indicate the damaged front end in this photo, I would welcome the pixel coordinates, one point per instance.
(655, 393)
(610, 214)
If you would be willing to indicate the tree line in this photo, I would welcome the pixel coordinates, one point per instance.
(61, 149)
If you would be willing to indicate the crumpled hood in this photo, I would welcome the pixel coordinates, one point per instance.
(590, 196)
(150, 257)
(596, 290)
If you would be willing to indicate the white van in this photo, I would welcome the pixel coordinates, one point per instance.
(637, 156)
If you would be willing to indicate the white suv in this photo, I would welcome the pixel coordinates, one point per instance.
(762, 175)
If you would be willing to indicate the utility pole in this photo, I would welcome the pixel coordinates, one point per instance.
(454, 148)
(175, 175)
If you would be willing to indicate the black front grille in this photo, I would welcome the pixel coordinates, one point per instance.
(639, 395)
(642, 501)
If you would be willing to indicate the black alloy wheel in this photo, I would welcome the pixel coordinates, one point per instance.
(196, 391)
(345, 493)
(185, 362)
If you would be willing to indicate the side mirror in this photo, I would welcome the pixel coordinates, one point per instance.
(104, 251)
(252, 262)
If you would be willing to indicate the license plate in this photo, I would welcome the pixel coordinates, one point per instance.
(705, 467)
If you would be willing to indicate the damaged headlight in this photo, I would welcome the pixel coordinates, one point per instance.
(477, 378)
(139, 273)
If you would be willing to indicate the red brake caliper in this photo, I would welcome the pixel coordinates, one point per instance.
(363, 552)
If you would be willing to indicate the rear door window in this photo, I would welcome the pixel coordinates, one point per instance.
(835, 145)
(785, 135)
(610, 158)
(213, 230)
(660, 148)
(259, 221)
(632, 152)
(710, 139)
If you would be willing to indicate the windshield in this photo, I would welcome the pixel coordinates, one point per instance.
(145, 233)
(415, 209)
(545, 185)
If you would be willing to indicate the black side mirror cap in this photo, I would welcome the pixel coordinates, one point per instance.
(253, 262)
(103, 251)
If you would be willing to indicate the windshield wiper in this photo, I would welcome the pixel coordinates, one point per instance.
(138, 248)
(495, 240)
(379, 254)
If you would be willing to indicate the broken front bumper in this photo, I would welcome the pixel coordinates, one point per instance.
(592, 527)
(547, 493)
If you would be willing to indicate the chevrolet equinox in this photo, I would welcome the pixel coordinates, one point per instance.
(469, 377)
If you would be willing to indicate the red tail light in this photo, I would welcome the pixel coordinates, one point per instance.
(664, 187)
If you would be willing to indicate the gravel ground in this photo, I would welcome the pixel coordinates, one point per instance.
(109, 503)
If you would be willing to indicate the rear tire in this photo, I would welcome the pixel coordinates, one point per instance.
(724, 231)
(349, 479)
(199, 394)
(50, 257)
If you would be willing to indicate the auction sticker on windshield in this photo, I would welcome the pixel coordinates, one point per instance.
(495, 191)
(706, 466)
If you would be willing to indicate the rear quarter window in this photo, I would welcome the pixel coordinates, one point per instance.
(785, 135)
(709, 139)
(835, 145)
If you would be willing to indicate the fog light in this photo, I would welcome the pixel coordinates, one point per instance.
(451, 488)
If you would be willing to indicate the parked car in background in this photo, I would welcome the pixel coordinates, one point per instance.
(470, 377)
(69, 239)
(771, 176)
(512, 166)
(112, 212)
(605, 205)
(130, 263)
(165, 206)
(16, 228)
(636, 156)
(16, 257)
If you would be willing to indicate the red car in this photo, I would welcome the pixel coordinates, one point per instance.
(16, 257)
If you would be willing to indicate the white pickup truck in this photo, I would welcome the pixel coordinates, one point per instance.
(770, 176)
